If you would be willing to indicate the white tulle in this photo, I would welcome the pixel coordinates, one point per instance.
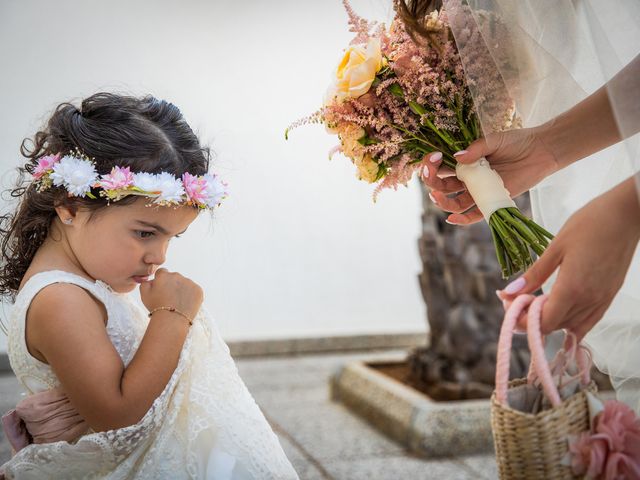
(551, 54)
(204, 425)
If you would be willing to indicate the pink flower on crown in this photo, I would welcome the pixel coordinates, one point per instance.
(118, 178)
(45, 164)
(196, 188)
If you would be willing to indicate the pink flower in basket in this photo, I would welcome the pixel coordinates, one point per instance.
(611, 450)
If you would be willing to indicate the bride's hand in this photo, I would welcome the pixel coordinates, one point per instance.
(593, 251)
(520, 157)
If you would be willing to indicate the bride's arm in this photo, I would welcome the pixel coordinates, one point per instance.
(590, 126)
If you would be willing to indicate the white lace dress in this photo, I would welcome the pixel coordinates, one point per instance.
(204, 425)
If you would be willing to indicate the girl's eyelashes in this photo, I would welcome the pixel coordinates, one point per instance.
(144, 234)
(147, 234)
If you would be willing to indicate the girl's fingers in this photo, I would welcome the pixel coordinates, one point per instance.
(458, 204)
(467, 218)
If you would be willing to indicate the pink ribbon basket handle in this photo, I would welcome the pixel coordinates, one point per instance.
(539, 365)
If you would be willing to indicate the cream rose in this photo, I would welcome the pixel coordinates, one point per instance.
(356, 72)
(349, 134)
(367, 168)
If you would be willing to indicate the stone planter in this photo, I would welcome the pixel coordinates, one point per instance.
(426, 427)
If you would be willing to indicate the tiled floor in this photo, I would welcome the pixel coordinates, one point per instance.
(323, 439)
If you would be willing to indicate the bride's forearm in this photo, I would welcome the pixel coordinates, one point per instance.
(591, 125)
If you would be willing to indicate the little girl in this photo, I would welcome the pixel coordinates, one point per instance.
(115, 391)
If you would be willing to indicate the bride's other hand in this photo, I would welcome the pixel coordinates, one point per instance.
(593, 252)
(520, 157)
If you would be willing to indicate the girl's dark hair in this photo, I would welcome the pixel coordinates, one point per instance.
(413, 12)
(145, 134)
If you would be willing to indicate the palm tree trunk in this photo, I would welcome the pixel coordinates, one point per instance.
(458, 282)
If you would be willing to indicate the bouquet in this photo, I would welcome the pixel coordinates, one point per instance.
(394, 101)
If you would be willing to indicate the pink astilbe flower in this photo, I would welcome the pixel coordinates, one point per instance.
(358, 25)
(118, 178)
(45, 164)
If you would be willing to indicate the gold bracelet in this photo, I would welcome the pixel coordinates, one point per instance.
(171, 309)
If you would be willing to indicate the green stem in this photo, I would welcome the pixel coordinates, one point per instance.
(517, 224)
(511, 247)
(499, 248)
(530, 223)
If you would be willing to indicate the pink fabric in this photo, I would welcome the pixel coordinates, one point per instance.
(43, 417)
(611, 450)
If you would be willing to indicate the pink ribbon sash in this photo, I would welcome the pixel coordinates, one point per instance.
(43, 417)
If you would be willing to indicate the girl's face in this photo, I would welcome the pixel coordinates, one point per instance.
(121, 245)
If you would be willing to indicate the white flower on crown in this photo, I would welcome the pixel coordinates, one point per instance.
(216, 190)
(170, 187)
(146, 181)
(75, 174)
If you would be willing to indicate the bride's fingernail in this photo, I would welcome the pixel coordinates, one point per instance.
(436, 157)
(425, 172)
(433, 199)
(450, 222)
(461, 152)
(515, 286)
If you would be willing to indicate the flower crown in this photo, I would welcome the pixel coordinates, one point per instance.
(77, 174)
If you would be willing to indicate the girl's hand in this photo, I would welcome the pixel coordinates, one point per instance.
(593, 251)
(170, 289)
(520, 157)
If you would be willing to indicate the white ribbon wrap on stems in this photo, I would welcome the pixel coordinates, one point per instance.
(485, 186)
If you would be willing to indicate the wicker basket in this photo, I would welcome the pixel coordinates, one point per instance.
(532, 446)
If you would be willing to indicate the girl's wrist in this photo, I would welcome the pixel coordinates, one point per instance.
(168, 310)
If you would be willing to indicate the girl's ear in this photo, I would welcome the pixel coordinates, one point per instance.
(66, 214)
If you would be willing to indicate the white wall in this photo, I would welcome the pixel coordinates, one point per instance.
(299, 249)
